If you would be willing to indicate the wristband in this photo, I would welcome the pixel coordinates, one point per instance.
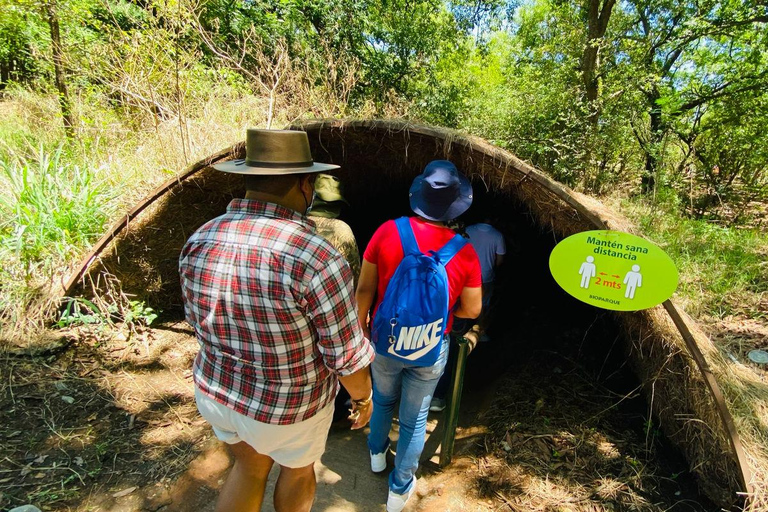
(363, 401)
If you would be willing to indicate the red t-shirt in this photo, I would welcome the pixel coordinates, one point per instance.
(386, 251)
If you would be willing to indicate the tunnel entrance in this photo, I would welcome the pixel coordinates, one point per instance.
(568, 414)
(558, 373)
(558, 364)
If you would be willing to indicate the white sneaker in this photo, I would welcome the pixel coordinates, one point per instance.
(437, 404)
(378, 461)
(396, 502)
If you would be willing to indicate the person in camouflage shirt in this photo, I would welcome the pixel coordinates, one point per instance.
(325, 212)
(329, 201)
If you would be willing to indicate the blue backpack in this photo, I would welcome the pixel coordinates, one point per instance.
(413, 315)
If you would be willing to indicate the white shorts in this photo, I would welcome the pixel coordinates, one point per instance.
(293, 446)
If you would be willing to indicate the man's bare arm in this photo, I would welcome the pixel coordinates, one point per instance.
(359, 386)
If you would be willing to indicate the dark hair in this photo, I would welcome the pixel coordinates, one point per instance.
(278, 185)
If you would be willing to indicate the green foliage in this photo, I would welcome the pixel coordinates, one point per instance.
(139, 313)
(481, 17)
(18, 38)
(674, 103)
(722, 270)
(730, 180)
(403, 41)
(79, 311)
(671, 77)
(397, 45)
(666, 73)
(526, 98)
(50, 210)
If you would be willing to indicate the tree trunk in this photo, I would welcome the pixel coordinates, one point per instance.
(58, 67)
(590, 62)
(656, 135)
(5, 73)
(597, 24)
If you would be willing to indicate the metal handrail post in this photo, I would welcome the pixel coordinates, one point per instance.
(452, 411)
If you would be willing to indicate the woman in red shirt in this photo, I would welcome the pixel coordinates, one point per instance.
(437, 196)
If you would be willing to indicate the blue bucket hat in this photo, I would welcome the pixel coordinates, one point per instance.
(441, 192)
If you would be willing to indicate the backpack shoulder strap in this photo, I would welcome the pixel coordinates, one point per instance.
(407, 238)
(451, 248)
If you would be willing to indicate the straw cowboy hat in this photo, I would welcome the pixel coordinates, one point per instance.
(273, 153)
(441, 192)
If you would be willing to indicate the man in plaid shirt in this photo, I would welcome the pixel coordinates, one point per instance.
(272, 307)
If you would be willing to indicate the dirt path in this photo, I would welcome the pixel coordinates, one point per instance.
(110, 424)
(345, 481)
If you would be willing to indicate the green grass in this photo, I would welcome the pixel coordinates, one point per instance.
(723, 271)
(50, 212)
(58, 196)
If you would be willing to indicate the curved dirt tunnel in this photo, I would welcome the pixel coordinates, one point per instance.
(555, 361)
(566, 418)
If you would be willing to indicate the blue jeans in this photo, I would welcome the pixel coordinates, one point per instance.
(394, 380)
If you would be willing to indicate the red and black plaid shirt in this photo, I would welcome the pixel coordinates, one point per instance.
(273, 310)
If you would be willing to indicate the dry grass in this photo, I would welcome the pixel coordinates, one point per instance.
(114, 412)
(555, 444)
(747, 390)
(134, 151)
(131, 161)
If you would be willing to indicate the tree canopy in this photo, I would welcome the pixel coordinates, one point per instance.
(651, 96)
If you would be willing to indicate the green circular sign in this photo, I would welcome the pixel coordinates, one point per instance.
(613, 270)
